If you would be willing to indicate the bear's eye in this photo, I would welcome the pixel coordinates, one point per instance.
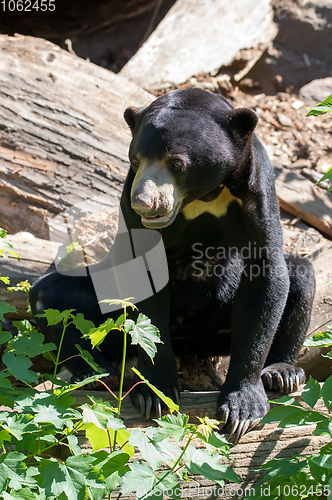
(177, 164)
(134, 163)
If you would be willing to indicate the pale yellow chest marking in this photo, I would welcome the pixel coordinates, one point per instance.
(217, 207)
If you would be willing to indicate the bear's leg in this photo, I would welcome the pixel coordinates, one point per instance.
(61, 292)
(279, 372)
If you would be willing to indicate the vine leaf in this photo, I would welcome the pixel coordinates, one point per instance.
(144, 333)
(311, 392)
(75, 478)
(168, 401)
(6, 308)
(19, 367)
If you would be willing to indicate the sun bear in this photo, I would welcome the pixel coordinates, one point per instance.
(200, 177)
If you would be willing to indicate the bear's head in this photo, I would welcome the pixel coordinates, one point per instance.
(185, 145)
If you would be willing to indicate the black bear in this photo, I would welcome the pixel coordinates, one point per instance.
(200, 177)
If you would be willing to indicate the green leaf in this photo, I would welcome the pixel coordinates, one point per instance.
(207, 426)
(144, 333)
(322, 339)
(82, 324)
(4, 382)
(13, 468)
(17, 425)
(88, 358)
(122, 438)
(101, 425)
(323, 461)
(5, 246)
(282, 468)
(19, 366)
(30, 344)
(113, 466)
(73, 387)
(123, 303)
(323, 427)
(5, 436)
(215, 441)
(152, 450)
(53, 316)
(322, 107)
(5, 337)
(120, 321)
(98, 438)
(168, 483)
(280, 412)
(168, 401)
(174, 425)
(45, 407)
(327, 175)
(311, 392)
(140, 478)
(6, 308)
(327, 393)
(22, 494)
(22, 286)
(326, 449)
(73, 444)
(201, 462)
(147, 449)
(97, 335)
(303, 417)
(75, 478)
(318, 472)
(5, 280)
(102, 416)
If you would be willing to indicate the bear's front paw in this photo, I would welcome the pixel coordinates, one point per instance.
(241, 410)
(283, 377)
(147, 401)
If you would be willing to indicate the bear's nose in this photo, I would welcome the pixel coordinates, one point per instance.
(142, 202)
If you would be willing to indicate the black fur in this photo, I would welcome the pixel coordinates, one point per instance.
(211, 152)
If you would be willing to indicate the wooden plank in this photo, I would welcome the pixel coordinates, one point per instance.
(63, 138)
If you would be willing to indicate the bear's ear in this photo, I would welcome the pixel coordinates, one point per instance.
(242, 122)
(130, 115)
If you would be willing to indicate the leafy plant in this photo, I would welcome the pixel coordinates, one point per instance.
(321, 109)
(41, 457)
(306, 475)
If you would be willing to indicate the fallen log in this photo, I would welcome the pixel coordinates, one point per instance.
(63, 139)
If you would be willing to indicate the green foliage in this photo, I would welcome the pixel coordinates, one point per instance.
(322, 107)
(305, 476)
(41, 457)
(5, 247)
(327, 175)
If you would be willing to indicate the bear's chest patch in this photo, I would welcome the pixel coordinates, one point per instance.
(217, 207)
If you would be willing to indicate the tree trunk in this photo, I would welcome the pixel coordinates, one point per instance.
(63, 139)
